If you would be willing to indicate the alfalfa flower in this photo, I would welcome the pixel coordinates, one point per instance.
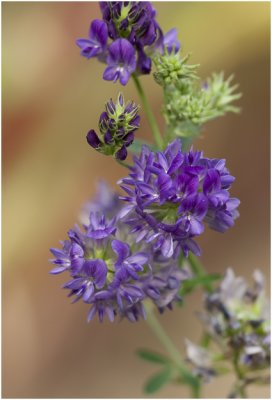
(171, 194)
(112, 273)
(126, 39)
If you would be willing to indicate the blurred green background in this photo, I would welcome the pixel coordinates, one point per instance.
(51, 98)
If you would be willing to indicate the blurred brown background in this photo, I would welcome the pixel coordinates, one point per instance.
(51, 98)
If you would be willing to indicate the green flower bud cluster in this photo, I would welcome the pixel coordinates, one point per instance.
(199, 105)
(187, 103)
(171, 69)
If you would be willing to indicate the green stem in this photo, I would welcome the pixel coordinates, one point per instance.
(124, 164)
(162, 336)
(149, 113)
(240, 377)
(173, 352)
(196, 265)
(199, 270)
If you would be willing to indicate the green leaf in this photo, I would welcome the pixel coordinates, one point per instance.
(157, 381)
(205, 341)
(153, 357)
(191, 380)
(196, 266)
(203, 280)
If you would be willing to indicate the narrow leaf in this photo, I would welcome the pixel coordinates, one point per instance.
(205, 341)
(157, 381)
(187, 378)
(153, 357)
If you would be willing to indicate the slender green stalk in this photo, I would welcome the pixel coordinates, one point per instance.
(199, 270)
(240, 377)
(149, 113)
(173, 352)
(124, 164)
(162, 336)
(196, 265)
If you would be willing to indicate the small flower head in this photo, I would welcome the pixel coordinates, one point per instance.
(103, 270)
(111, 272)
(171, 68)
(171, 194)
(132, 20)
(117, 125)
(134, 35)
(135, 22)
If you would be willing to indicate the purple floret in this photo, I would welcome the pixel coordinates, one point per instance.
(97, 42)
(121, 61)
(170, 41)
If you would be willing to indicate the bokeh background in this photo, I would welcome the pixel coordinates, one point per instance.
(51, 98)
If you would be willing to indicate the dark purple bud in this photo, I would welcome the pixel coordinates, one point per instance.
(120, 133)
(121, 99)
(144, 62)
(93, 139)
(111, 107)
(124, 24)
(128, 139)
(121, 154)
(108, 138)
(103, 117)
(111, 124)
(135, 122)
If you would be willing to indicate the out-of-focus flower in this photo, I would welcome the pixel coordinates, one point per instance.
(237, 331)
(135, 37)
(171, 194)
(117, 125)
(170, 41)
(105, 201)
(237, 318)
(201, 360)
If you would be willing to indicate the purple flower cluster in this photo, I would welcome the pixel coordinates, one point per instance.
(171, 194)
(117, 126)
(134, 34)
(114, 275)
